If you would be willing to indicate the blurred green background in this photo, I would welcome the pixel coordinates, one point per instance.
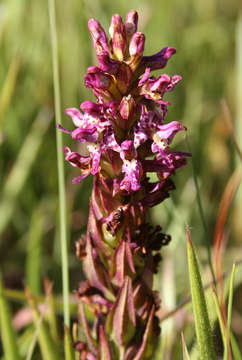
(208, 37)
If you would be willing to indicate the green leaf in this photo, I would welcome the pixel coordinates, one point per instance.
(9, 339)
(69, 350)
(203, 329)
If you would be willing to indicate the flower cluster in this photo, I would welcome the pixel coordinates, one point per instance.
(127, 138)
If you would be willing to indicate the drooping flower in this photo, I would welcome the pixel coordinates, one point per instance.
(126, 138)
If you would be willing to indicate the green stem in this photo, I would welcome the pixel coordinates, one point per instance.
(60, 163)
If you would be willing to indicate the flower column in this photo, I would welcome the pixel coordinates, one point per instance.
(127, 138)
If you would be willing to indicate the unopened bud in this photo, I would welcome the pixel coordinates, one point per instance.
(127, 107)
(136, 47)
(99, 37)
(131, 23)
(117, 32)
(95, 78)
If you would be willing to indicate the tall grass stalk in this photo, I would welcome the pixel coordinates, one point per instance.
(60, 163)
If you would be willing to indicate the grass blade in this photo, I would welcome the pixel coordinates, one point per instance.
(235, 347)
(69, 351)
(60, 163)
(230, 127)
(9, 339)
(48, 348)
(231, 293)
(51, 315)
(222, 326)
(21, 169)
(8, 88)
(203, 329)
(34, 252)
(218, 243)
(184, 348)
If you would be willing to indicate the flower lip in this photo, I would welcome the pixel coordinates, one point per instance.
(91, 108)
(76, 115)
(158, 60)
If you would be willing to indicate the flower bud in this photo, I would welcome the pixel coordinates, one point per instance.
(127, 107)
(99, 37)
(131, 23)
(95, 78)
(117, 32)
(136, 49)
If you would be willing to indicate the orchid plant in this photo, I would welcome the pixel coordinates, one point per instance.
(126, 138)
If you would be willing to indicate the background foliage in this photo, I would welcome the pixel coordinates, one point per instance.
(208, 37)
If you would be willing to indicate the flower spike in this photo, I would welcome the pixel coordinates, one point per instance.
(125, 136)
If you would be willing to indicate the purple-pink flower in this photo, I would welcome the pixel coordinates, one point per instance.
(125, 103)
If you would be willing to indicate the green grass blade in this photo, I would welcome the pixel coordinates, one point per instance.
(60, 163)
(184, 348)
(34, 259)
(8, 88)
(231, 293)
(235, 348)
(9, 339)
(21, 169)
(51, 315)
(221, 323)
(203, 329)
(69, 350)
(48, 348)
